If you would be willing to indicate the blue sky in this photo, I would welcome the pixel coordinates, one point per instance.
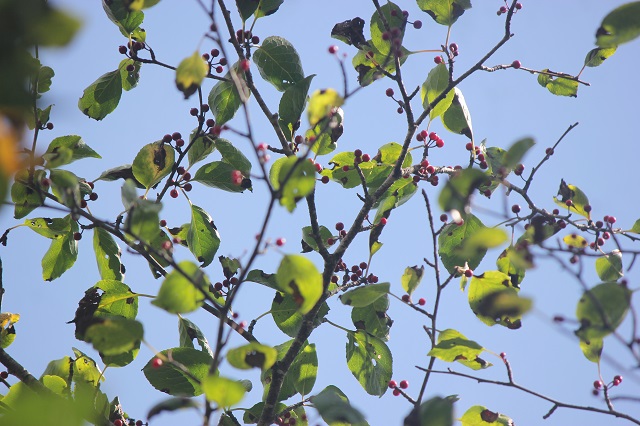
(599, 156)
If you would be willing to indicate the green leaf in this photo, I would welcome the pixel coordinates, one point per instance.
(456, 118)
(411, 278)
(395, 19)
(578, 199)
(233, 156)
(24, 194)
(189, 331)
(444, 12)
(370, 361)
(334, 408)
(513, 261)
(172, 404)
(267, 7)
(592, 349)
(437, 411)
(179, 294)
(620, 26)
(61, 256)
(224, 392)
(609, 267)
(495, 301)
(288, 385)
(304, 370)
(454, 346)
(201, 147)
(322, 104)
(143, 220)
(224, 98)
(74, 145)
(107, 255)
(373, 318)
(66, 186)
(481, 240)
(246, 8)
(129, 78)
(252, 355)
(50, 228)
(436, 83)
(120, 14)
(260, 277)
(292, 104)
(152, 163)
(286, 314)
(560, 86)
(218, 175)
(85, 369)
(170, 379)
(115, 335)
(309, 243)
(597, 56)
(252, 415)
(43, 82)
(278, 62)
(516, 152)
(451, 242)
(51, 26)
(203, 239)
(481, 416)
(117, 300)
(294, 178)
(368, 63)
(299, 277)
(601, 310)
(102, 97)
(458, 190)
(365, 295)
(190, 73)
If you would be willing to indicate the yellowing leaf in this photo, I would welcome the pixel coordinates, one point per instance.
(575, 240)
(190, 74)
(321, 105)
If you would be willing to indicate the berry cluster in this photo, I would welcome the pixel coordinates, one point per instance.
(287, 419)
(599, 385)
(354, 274)
(246, 38)
(404, 384)
(210, 57)
(504, 9)
(262, 153)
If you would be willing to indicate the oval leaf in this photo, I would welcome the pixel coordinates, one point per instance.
(152, 163)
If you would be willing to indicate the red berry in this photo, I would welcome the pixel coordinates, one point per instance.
(404, 384)
(263, 147)
(396, 392)
(139, 423)
(255, 40)
(245, 64)
(156, 363)
(193, 111)
(392, 384)
(163, 223)
(236, 177)
(587, 208)
(280, 242)
(383, 221)
(443, 217)
(518, 5)
(597, 384)
(166, 245)
(357, 153)
(345, 168)
(611, 220)
(516, 64)
(469, 146)
(569, 203)
(431, 170)
(4, 375)
(617, 380)
(503, 355)
(468, 273)
(556, 211)
(389, 92)
(117, 422)
(77, 236)
(422, 301)
(166, 138)
(549, 151)
(122, 49)
(187, 187)
(176, 135)
(50, 125)
(453, 47)
(173, 193)
(333, 49)
(400, 110)
(417, 25)
(366, 158)
(438, 60)
(339, 226)
(325, 179)
(503, 9)
(406, 298)
(515, 208)
(439, 143)
(180, 142)
(433, 136)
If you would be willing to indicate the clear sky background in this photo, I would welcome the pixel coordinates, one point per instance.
(600, 156)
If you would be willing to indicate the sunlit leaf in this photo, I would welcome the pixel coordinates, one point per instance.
(278, 62)
(365, 295)
(252, 355)
(370, 361)
(601, 310)
(482, 416)
(495, 301)
(190, 73)
(454, 346)
(620, 26)
(170, 379)
(436, 83)
(299, 277)
(152, 163)
(444, 12)
(102, 97)
(179, 294)
(224, 392)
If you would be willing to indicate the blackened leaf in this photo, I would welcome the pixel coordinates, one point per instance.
(350, 32)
